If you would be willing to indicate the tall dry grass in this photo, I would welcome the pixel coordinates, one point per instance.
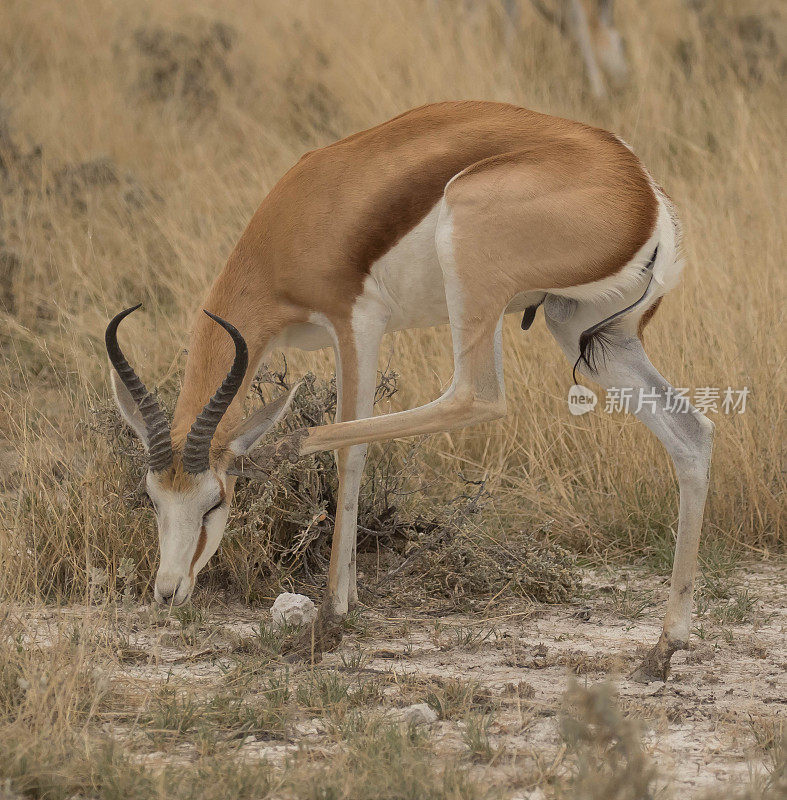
(137, 138)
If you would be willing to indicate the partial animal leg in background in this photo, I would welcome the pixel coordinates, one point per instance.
(580, 29)
(687, 436)
(512, 23)
(609, 45)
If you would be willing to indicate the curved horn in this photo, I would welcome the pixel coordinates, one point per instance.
(196, 451)
(159, 442)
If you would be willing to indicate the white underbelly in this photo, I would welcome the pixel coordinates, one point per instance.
(407, 280)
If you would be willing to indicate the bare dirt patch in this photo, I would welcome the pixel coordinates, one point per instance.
(497, 682)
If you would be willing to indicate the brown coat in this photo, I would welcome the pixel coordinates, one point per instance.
(571, 197)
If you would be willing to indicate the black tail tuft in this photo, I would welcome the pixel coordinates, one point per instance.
(596, 342)
(595, 345)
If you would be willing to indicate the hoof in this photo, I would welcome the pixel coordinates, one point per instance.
(303, 649)
(646, 673)
(656, 664)
(323, 635)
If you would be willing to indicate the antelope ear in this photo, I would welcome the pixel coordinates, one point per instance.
(128, 408)
(253, 428)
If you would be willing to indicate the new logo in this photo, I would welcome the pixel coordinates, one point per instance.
(581, 400)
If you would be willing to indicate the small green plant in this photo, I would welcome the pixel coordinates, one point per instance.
(454, 698)
(475, 735)
(355, 659)
(468, 638)
(324, 689)
(171, 714)
(380, 761)
(189, 616)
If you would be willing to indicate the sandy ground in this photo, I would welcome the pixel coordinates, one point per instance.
(699, 726)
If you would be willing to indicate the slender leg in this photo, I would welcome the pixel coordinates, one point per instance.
(461, 405)
(687, 436)
(476, 394)
(356, 370)
(478, 385)
(511, 20)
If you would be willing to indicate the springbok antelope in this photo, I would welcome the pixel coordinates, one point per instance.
(454, 212)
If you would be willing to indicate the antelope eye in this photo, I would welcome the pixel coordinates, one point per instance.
(212, 509)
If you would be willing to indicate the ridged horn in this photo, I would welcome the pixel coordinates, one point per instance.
(159, 441)
(196, 451)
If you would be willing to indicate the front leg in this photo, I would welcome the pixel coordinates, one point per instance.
(476, 395)
(357, 350)
(342, 590)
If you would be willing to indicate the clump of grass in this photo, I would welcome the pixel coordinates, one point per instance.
(380, 761)
(103, 769)
(189, 64)
(51, 697)
(772, 785)
(330, 695)
(468, 638)
(181, 714)
(453, 562)
(770, 735)
(475, 735)
(607, 760)
(721, 596)
(451, 698)
(171, 715)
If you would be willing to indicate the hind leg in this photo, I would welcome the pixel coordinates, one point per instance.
(687, 436)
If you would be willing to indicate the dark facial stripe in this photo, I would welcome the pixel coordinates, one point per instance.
(201, 542)
(203, 535)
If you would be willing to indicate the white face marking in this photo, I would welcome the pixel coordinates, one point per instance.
(181, 517)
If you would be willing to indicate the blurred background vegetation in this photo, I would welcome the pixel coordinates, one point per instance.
(136, 140)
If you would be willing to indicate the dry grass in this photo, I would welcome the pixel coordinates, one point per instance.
(137, 139)
(137, 703)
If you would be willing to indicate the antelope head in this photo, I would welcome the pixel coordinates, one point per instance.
(189, 490)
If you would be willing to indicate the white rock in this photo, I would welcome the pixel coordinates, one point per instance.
(418, 714)
(293, 609)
